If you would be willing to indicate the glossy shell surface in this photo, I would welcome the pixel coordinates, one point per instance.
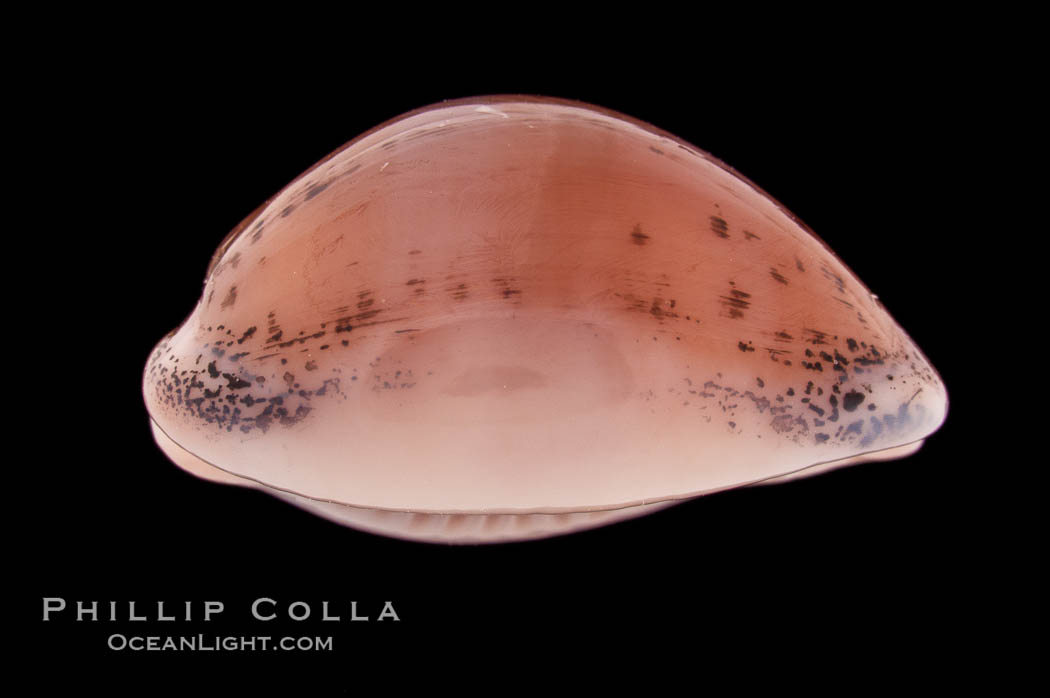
(506, 318)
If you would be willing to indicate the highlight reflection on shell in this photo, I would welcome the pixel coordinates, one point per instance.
(506, 318)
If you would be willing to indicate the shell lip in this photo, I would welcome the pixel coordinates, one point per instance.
(254, 482)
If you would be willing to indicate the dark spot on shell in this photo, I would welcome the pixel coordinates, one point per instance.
(852, 400)
(815, 336)
(235, 382)
(247, 333)
(290, 420)
(638, 237)
(719, 227)
(231, 298)
(460, 292)
(833, 277)
(315, 190)
(735, 303)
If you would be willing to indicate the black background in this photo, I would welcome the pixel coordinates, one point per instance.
(155, 155)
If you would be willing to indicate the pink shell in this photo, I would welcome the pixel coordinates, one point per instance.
(506, 318)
